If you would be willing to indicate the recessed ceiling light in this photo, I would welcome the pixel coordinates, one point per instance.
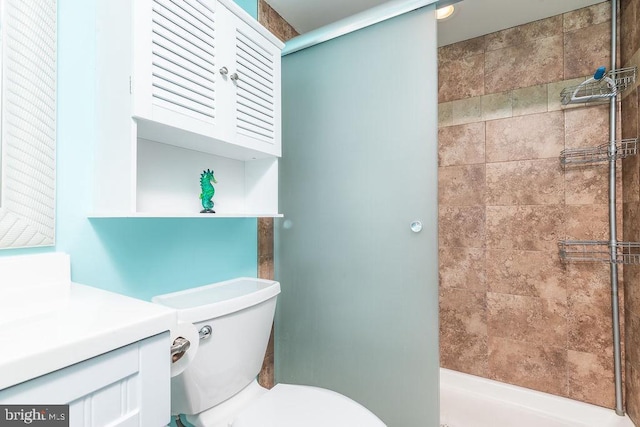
(445, 12)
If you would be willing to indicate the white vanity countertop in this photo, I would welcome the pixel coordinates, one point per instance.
(87, 322)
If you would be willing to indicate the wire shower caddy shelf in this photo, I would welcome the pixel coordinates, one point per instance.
(601, 153)
(594, 90)
(601, 87)
(599, 251)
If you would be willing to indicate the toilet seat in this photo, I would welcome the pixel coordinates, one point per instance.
(288, 405)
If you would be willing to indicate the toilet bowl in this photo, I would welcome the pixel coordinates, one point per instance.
(218, 386)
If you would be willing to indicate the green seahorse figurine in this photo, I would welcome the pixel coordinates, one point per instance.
(206, 184)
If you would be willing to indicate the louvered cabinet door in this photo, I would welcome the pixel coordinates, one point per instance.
(257, 101)
(178, 78)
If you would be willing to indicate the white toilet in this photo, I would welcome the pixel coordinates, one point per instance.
(218, 387)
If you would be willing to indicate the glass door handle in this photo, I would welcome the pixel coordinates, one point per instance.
(416, 226)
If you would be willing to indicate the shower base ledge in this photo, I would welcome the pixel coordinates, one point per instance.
(471, 401)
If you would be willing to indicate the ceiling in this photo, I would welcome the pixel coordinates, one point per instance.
(472, 17)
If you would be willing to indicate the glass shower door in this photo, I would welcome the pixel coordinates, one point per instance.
(356, 253)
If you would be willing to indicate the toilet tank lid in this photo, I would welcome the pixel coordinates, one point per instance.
(218, 299)
(288, 405)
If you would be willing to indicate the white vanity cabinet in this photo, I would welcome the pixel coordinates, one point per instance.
(129, 386)
(104, 354)
(198, 75)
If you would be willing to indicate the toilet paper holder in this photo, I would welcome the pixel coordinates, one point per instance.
(181, 345)
(179, 348)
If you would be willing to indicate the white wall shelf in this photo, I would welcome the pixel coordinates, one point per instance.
(114, 215)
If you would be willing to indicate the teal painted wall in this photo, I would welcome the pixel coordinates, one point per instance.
(135, 257)
(251, 6)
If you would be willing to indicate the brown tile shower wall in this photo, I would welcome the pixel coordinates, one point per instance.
(510, 310)
(272, 21)
(275, 23)
(265, 271)
(630, 56)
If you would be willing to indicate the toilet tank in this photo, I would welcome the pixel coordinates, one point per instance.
(240, 313)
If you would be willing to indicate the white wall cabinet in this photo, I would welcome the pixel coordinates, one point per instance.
(201, 76)
(129, 386)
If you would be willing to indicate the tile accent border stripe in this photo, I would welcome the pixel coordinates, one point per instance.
(501, 105)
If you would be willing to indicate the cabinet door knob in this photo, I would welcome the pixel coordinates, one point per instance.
(235, 77)
(224, 71)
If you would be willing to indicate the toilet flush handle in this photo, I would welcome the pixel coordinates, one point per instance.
(205, 332)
